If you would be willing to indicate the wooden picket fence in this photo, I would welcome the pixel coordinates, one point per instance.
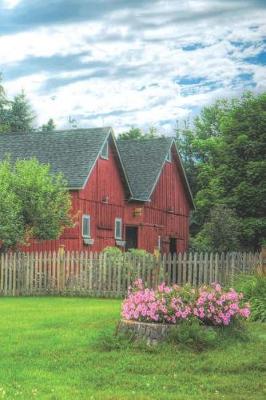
(105, 275)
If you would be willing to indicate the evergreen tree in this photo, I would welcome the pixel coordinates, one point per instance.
(21, 114)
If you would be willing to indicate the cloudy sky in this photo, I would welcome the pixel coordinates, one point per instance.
(130, 62)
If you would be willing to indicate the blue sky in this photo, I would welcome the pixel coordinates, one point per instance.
(130, 62)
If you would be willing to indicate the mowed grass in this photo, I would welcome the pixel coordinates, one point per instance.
(49, 349)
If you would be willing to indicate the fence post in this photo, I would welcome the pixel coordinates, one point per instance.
(1, 274)
(174, 269)
(6, 274)
(161, 268)
(184, 269)
(216, 268)
(61, 257)
(194, 269)
(232, 275)
(14, 275)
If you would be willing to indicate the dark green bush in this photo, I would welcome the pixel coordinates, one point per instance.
(193, 334)
(196, 336)
(254, 289)
(112, 251)
(236, 331)
(258, 309)
(138, 252)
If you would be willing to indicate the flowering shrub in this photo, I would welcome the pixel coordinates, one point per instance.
(217, 307)
(212, 305)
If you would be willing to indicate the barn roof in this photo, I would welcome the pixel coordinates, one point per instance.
(72, 152)
(143, 161)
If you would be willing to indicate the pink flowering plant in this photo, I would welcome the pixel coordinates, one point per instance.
(215, 306)
(211, 305)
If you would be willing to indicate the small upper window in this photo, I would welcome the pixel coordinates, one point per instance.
(86, 226)
(118, 228)
(169, 156)
(105, 151)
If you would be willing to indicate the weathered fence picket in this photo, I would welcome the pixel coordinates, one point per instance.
(101, 274)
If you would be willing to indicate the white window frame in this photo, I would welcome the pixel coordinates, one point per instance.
(88, 217)
(169, 156)
(119, 237)
(105, 151)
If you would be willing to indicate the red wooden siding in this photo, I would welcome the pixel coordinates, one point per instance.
(168, 210)
(104, 199)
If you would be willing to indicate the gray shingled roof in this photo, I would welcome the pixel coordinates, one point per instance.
(74, 152)
(71, 152)
(143, 161)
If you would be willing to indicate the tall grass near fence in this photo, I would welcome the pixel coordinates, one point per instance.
(108, 275)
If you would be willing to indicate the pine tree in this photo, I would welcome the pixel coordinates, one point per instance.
(21, 114)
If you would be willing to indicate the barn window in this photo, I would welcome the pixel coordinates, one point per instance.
(86, 226)
(105, 151)
(118, 228)
(169, 156)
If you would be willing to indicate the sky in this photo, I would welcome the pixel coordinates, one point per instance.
(125, 63)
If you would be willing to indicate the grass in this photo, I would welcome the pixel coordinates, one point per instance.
(49, 349)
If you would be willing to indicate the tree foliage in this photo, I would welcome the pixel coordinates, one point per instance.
(17, 115)
(137, 133)
(33, 203)
(49, 127)
(4, 106)
(224, 154)
(220, 233)
(21, 115)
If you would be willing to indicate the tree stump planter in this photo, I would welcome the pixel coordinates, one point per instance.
(150, 332)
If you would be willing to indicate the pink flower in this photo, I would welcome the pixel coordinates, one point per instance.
(245, 312)
(138, 284)
(167, 304)
(217, 287)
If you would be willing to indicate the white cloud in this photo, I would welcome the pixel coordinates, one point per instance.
(127, 75)
(9, 4)
(31, 83)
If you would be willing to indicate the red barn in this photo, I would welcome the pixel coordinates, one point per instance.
(125, 193)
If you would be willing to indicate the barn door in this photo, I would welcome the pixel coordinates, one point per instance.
(131, 237)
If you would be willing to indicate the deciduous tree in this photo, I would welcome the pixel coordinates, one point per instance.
(225, 150)
(49, 127)
(34, 203)
(220, 233)
(137, 133)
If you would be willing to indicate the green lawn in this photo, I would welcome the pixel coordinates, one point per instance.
(48, 350)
